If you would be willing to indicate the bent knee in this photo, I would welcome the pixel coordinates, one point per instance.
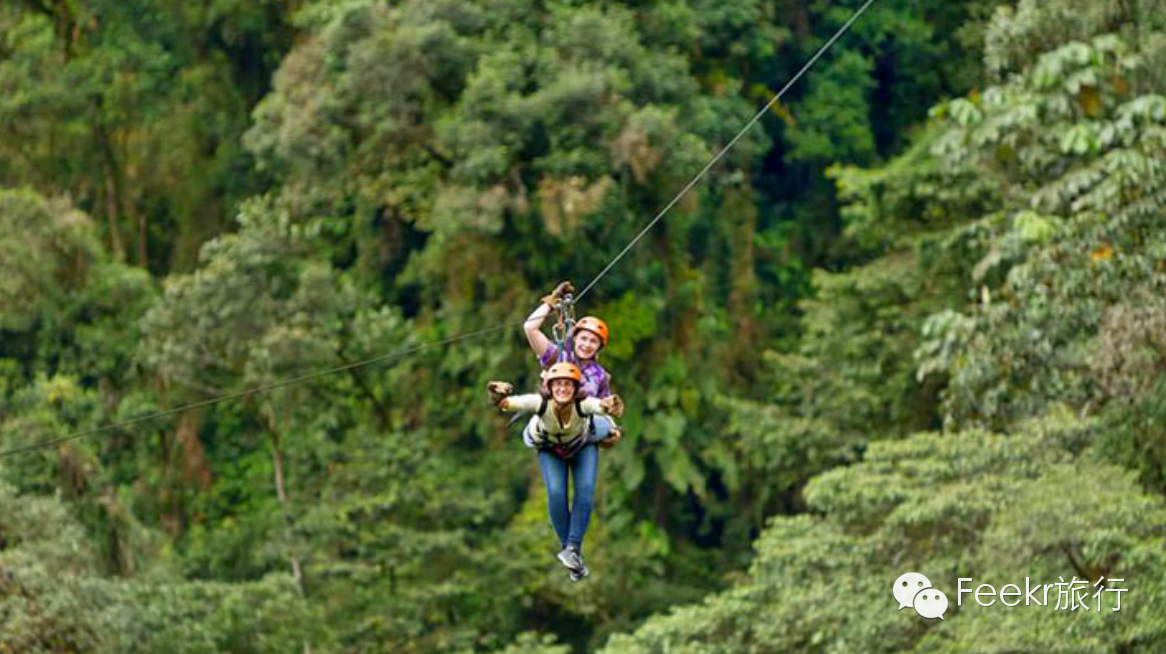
(556, 489)
(585, 491)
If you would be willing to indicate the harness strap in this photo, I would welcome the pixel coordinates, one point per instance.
(568, 449)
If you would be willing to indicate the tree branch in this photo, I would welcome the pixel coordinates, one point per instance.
(1068, 550)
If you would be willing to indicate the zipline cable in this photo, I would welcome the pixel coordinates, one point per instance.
(453, 339)
(712, 162)
(258, 389)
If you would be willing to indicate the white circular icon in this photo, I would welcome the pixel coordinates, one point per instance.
(907, 585)
(930, 603)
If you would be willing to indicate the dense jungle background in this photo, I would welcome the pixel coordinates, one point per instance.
(915, 321)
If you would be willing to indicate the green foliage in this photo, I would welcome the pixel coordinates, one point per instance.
(257, 310)
(63, 308)
(837, 115)
(47, 253)
(1084, 165)
(1030, 298)
(634, 320)
(532, 642)
(62, 303)
(852, 379)
(55, 600)
(134, 109)
(789, 343)
(967, 504)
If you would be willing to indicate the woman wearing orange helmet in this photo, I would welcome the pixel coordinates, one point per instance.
(559, 431)
(589, 338)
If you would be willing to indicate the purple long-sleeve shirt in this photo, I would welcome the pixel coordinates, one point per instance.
(596, 381)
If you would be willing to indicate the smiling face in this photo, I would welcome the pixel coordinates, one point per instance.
(563, 390)
(586, 344)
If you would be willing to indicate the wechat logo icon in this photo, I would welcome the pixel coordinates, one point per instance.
(914, 590)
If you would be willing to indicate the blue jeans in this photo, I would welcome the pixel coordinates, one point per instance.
(570, 524)
(600, 428)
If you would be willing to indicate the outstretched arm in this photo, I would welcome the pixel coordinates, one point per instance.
(611, 405)
(530, 402)
(534, 323)
(534, 333)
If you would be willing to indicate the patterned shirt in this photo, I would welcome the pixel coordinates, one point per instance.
(596, 381)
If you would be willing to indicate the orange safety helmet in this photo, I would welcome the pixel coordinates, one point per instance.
(594, 325)
(564, 370)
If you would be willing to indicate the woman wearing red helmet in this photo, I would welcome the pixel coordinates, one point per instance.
(559, 430)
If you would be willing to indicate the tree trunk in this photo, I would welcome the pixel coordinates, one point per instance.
(115, 243)
(143, 250)
(195, 468)
(113, 197)
(281, 496)
(742, 213)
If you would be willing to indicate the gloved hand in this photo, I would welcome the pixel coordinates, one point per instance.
(612, 405)
(562, 289)
(612, 439)
(499, 390)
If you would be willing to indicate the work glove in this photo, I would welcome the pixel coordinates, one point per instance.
(499, 390)
(612, 405)
(557, 294)
(612, 439)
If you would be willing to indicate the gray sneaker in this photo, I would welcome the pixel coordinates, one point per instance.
(578, 575)
(569, 557)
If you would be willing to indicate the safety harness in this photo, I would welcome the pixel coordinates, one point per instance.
(570, 448)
